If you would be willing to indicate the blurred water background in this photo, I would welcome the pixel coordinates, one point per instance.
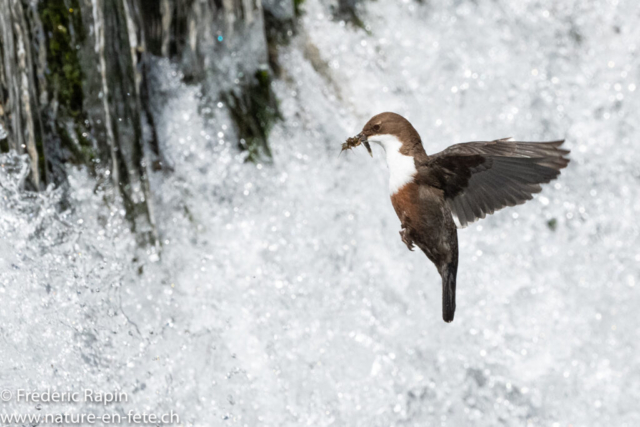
(279, 292)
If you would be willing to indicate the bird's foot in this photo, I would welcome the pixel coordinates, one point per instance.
(404, 235)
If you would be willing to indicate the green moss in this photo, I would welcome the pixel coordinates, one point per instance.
(296, 5)
(254, 110)
(62, 24)
(4, 145)
(82, 152)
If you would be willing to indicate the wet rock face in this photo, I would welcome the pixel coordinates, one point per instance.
(18, 94)
(69, 95)
(281, 9)
(226, 46)
(73, 82)
(214, 39)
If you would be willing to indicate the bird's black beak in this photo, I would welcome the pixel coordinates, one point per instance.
(363, 140)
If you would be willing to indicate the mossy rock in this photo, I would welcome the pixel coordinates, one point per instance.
(62, 26)
(63, 30)
(254, 110)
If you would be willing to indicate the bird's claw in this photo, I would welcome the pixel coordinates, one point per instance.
(404, 235)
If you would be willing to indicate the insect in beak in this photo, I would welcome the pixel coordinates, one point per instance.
(355, 141)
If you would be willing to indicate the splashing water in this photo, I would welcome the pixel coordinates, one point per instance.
(284, 295)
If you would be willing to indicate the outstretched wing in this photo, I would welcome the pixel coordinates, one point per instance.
(478, 178)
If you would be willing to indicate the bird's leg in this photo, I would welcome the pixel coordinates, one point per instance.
(405, 235)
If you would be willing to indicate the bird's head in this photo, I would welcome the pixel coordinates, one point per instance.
(391, 131)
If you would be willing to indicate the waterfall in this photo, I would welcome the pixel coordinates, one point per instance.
(212, 254)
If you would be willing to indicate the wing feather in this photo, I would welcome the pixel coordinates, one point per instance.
(479, 178)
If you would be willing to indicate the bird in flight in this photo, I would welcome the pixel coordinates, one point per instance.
(468, 181)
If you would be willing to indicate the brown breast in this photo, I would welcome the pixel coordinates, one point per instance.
(404, 201)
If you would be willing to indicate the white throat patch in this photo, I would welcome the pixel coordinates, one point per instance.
(402, 168)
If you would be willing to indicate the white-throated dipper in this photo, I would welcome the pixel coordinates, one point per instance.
(468, 180)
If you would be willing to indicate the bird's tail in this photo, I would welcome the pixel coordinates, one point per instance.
(448, 274)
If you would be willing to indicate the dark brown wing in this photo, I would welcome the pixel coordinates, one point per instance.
(478, 178)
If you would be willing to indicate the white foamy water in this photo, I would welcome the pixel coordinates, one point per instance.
(284, 295)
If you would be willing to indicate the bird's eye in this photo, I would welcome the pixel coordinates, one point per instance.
(376, 128)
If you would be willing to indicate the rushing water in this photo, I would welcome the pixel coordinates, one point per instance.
(283, 294)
